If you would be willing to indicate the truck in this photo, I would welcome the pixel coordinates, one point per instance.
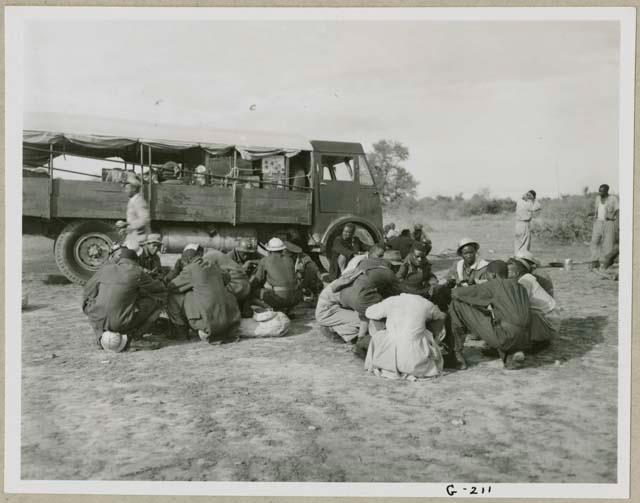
(208, 186)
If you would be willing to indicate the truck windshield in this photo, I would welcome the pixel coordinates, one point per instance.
(337, 168)
(364, 174)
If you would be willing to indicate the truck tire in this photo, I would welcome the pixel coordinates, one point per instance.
(365, 235)
(82, 247)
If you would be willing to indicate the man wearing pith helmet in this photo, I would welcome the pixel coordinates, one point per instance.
(470, 269)
(276, 278)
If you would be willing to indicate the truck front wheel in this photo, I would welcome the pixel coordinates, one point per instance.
(82, 247)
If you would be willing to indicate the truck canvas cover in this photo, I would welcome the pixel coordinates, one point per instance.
(90, 136)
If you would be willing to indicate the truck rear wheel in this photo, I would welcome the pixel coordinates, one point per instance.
(82, 247)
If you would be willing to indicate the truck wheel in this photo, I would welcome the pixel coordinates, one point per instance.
(365, 235)
(82, 247)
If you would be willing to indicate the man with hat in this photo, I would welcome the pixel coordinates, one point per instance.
(526, 207)
(275, 278)
(531, 264)
(470, 269)
(238, 283)
(179, 264)
(245, 254)
(122, 298)
(199, 300)
(137, 224)
(149, 259)
(402, 243)
(545, 322)
(603, 236)
(497, 311)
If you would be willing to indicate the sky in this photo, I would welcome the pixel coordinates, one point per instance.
(504, 105)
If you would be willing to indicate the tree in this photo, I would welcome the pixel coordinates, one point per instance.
(392, 179)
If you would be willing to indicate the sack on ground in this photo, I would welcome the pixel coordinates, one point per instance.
(273, 327)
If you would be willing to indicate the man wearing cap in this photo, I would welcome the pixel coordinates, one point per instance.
(470, 269)
(344, 247)
(245, 254)
(532, 267)
(545, 322)
(137, 224)
(122, 298)
(179, 264)
(307, 271)
(199, 300)
(275, 278)
(497, 311)
(149, 259)
(526, 207)
(415, 272)
(604, 226)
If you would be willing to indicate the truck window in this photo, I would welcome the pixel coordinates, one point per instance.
(337, 168)
(364, 173)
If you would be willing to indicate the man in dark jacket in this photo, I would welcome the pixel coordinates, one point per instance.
(276, 279)
(122, 298)
(344, 247)
(149, 259)
(199, 300)
(497, 311)
(415, 272)
(402, 243)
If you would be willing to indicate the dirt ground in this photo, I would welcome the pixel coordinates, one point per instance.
(302, 408)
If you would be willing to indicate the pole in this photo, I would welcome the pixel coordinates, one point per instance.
(50, 169)
(150, 175)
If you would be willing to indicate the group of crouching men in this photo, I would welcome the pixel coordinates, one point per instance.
(204, 295)
(407, 323)
(383, 299)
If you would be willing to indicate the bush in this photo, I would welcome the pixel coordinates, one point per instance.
(565, 219)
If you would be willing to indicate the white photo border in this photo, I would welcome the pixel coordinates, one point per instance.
(15, 19)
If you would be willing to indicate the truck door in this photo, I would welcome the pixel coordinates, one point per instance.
(338, 188)
(369, 206)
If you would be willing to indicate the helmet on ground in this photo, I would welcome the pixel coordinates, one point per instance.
(247, 246)
(465, 242)
(113, 341)
(275, 245)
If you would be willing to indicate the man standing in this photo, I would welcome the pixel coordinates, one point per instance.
(344, 247)
(415, 272)
(525, 209)
(149, 259)
(276, 278)
(471, 268)
(497, 311)
(604, 226)
(199, 299)
(122, 298)
(137, 224)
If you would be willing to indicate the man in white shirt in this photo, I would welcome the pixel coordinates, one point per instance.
(604, 227)
(525, 209)
(137, 224)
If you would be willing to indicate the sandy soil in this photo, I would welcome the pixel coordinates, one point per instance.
(301, 408)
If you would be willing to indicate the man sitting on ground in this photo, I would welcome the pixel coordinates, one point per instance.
(545, 322)
(122, 298)
(541, 276)
(238, 281)
(335, 319)
(149, 259)
(199, 300)
(420, 236)
(405, 348)
(497, 311)
(470, 269)
(402, 243)
(179, 264)
(307, 272)
(246, 254)
(415, 272)
(344, 247)
(276, 278)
